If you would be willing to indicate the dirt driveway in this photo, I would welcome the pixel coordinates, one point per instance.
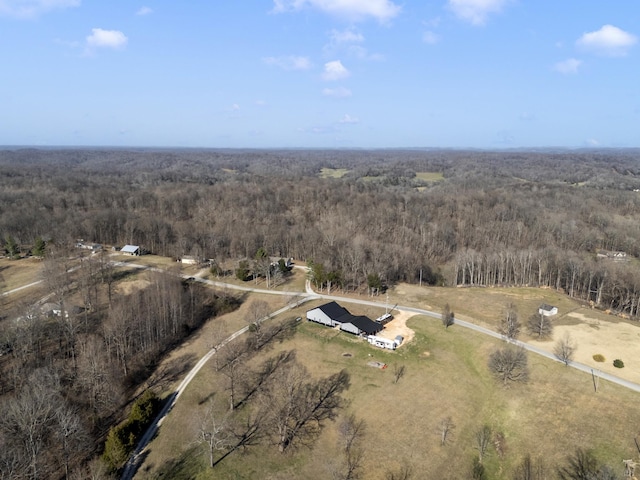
(398, 326)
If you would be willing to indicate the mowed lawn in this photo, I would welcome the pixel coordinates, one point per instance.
(446, 376)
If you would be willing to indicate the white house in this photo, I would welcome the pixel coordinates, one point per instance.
(547, 310)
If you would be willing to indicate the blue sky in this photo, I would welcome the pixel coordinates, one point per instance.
(320, 73)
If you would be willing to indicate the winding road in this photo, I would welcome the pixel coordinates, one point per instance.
(301, 297)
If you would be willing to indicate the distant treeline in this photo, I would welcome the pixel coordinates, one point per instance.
(495, 218)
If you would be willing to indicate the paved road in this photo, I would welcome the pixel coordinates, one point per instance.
(137, 456)
(531, 348)
(33, 284)
(134, 461)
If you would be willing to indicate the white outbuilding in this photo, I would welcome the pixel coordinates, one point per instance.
(547, 310)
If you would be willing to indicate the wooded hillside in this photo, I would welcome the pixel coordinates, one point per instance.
(486, 218)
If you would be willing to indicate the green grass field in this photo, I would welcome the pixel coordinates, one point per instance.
(446, 375)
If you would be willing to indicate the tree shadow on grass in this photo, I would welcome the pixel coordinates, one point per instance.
(186, 467)
(172, 370)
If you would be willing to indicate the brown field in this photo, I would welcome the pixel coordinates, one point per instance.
(430, 176)
(15, 274)
(326, 172)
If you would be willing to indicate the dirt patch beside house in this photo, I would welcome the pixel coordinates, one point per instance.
(398, 326)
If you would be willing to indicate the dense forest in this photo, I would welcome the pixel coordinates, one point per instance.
(362, 219)
(563, 219)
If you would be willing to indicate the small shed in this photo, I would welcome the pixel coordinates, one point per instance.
(361, 325)
(131, 250)
(547, 310)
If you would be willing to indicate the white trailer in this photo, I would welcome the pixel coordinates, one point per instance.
(382, 342)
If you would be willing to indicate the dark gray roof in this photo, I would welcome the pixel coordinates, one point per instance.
(365, 324)
(335, 312)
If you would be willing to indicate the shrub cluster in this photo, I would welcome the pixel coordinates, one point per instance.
(599, 358)
(122, 438)
(618, 363)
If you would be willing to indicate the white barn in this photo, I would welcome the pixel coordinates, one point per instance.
(130, 250)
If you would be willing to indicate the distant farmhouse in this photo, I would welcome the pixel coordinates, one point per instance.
(94, 247)
(333, 315)
(547, 310)
(612, 255)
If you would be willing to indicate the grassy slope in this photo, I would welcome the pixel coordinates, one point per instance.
(446, 376)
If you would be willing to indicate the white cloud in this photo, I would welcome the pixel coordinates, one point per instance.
(592, 142)
(235, 107)
(33, 8)
(568, 66)
(346, 36)
(609, 40)
(348, 41)
(334, 71)
(430, 37)
(340, 92)
(381, 10)
(100, 38)
(291, 62)
(144, 11)
(476, 11)
(349, 119)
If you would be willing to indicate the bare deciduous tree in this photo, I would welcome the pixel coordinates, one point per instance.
(583, 465)
(482, 440)
(213, 432)
(300, 406)
(71, 435)
(403, 473)
(233, 367)
(352, 433)
(539, 326)
(565, 349)
(509, 325)
(447, 317)
(509, 364)
(445, 430)
(530, 469)
(28, 420)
